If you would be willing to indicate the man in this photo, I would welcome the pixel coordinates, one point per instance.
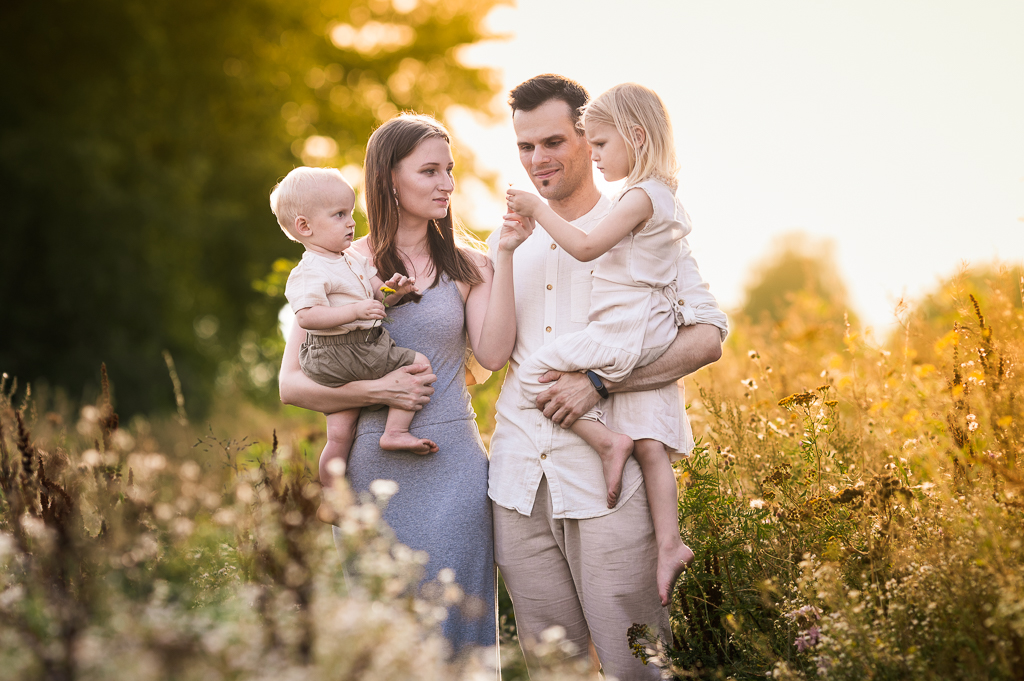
(566, 558)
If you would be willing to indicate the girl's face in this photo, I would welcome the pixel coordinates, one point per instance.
(608, 150)
(424, 181)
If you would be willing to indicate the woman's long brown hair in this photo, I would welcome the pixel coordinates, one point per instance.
(446, 239)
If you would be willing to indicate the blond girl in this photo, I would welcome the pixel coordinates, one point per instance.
(633, 311)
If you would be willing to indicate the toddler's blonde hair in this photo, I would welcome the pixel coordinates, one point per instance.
(629, 106)
(301, 189)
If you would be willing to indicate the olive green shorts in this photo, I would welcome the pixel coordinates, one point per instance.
(355, 356)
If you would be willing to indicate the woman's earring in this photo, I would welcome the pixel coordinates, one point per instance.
(394, 192)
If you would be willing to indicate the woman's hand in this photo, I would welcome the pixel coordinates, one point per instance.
(514, 231)
(522, 202)
(407, 388)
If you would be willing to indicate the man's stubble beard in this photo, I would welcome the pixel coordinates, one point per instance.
(569, 185)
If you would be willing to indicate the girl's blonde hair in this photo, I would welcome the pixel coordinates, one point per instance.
(630, 106)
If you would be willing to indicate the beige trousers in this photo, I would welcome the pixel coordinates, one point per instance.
(594, 577)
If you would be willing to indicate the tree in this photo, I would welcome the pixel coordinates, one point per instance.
(138, 145)
(797, 270)
(991, 291)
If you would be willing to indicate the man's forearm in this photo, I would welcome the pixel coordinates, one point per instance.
(694, 347)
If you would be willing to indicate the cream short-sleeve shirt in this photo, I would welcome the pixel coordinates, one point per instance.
(332, 282)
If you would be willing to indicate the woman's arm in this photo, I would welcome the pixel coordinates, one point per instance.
(491, 304)
(407, 388)
(633, 210)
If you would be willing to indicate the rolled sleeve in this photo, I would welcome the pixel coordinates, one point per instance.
(698, 304)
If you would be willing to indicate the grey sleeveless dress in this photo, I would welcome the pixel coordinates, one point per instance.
(441, 506)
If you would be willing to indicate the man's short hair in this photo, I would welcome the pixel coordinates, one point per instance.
(530, 94)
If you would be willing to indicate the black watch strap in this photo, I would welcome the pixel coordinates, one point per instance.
(598, 384)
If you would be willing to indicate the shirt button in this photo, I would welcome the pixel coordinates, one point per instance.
(553, 246)
(543, 456)
(548, 329)
(549, 287)
(360, 276)
(681, 302)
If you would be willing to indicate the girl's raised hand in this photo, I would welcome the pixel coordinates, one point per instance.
(522, 202)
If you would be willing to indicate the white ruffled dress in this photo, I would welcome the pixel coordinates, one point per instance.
(634, 314)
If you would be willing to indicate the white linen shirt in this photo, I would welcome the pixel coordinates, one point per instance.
(552, 298)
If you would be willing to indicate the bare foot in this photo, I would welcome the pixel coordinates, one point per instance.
(613, 459)
(671, 564)
(404, 441)
(326, 514)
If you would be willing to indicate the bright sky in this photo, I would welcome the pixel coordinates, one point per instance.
(894, 128)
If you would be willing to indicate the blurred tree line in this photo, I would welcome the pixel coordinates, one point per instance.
(138, 145)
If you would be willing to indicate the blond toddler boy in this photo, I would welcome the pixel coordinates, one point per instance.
(337, 298)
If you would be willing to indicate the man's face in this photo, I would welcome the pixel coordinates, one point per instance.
(555, 156)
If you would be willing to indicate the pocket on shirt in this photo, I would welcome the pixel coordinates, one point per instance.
(579, 306)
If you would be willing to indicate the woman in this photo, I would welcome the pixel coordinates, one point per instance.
(441, 506)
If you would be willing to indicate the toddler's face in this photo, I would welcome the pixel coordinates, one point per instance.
(608, 151)
(331, 221)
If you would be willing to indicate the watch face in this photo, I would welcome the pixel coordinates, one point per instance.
(598, 384)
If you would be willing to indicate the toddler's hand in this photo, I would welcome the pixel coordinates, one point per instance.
(401, 284)
(522, 202)
(369, 309)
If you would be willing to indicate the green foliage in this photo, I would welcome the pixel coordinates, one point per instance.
(138, 146)
(118, 561)
(798, 272)
(856, 511)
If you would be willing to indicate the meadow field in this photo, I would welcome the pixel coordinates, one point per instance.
(856, 505)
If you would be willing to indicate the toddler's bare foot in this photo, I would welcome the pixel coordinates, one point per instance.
(671, 564)
(613, 459)
(404, 441)
(326, 514)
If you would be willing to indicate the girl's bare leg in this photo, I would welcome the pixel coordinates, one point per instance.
(663, 498)
(396, 435)
(613, 448)
(341, 429)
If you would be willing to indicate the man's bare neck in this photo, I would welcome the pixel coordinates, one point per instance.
(577, 204)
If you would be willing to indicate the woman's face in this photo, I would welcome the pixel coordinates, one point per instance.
(424, 180)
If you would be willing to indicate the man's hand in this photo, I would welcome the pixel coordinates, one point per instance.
(407, 388)
(522, 202)
(369, 309)
(571, 396)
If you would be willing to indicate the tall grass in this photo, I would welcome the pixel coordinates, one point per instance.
(855, 506)
(120, 558)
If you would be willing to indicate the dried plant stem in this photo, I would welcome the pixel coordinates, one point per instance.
(179, 397)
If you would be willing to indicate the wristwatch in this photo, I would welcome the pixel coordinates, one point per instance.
(598, 384)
